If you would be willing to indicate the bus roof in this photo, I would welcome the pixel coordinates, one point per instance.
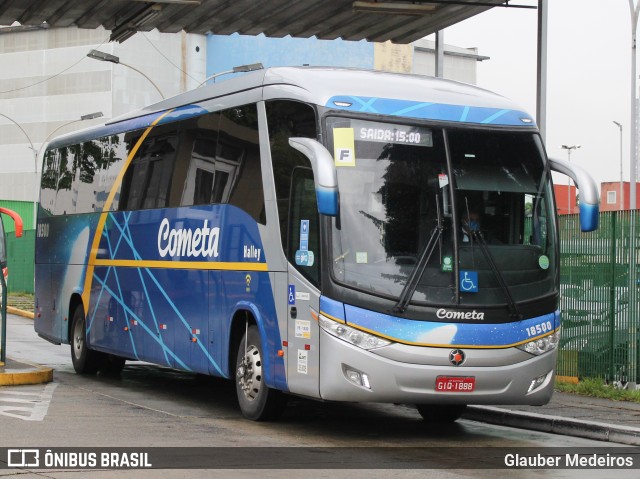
(365, 91)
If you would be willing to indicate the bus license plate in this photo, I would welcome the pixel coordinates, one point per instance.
(455, 384)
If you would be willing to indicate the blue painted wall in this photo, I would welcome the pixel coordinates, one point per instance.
(224, 52)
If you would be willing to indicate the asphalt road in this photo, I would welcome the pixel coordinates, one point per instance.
(150, 406)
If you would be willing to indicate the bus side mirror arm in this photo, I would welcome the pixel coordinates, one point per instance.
(589, 195)
(324, 173)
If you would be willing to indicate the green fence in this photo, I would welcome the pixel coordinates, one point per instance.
(20, 258)
(23, 208)
(599, 310)
(20, 251)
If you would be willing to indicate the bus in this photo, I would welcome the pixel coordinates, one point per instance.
(337, 234)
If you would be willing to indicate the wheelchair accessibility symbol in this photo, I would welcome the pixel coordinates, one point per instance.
(469, 281)
(292, 294)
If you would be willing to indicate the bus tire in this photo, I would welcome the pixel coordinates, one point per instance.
(441, 414)
(85, 360)
(257, 401)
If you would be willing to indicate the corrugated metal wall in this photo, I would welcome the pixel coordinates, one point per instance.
(20, 251)
(20, 259)
(23, 208)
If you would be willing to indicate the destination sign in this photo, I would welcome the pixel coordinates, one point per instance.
(390, 133)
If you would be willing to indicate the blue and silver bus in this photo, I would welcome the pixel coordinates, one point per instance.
(331, 233)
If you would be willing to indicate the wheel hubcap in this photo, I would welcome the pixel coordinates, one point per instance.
(78, 339)
(249, 373)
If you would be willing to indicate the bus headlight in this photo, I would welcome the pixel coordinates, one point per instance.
(542, 345)
(351, 335)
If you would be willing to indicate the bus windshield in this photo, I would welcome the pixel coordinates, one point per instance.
(490, 210)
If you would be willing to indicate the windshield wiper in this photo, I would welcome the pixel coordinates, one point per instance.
(513, 308)
(416, 274)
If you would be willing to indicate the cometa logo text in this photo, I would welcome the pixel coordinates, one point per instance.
(187, 242)
(445, 314)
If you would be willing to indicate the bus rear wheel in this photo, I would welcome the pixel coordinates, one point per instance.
(441, 414)
(257, 401)
(85, 360)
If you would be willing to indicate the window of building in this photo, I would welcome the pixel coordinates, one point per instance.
(611, 197)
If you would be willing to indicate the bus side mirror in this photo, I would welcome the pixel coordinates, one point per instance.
(324, 173)
(589, 196)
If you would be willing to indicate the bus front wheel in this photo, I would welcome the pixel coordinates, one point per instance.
(257, 401)
(441, 414)
(85, 360)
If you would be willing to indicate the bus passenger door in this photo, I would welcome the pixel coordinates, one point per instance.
(303, 295)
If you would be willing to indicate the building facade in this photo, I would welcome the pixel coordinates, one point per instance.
(225, 52)
(616, 196)
(566, 199)
(47, 83)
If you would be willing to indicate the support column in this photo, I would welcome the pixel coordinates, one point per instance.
(439, 54)
(541, 94)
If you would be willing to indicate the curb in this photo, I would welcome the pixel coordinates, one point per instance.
(27, 374)
(20, 312)
(555, 424)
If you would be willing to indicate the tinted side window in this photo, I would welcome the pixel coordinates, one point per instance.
(202, 169)
(92, 160)
(114, 153)
(287, 119)
(238, 160)
(53, 160)
(79, 178)
(147, 181)
(304, 226)
(225, 161)
(62, 176)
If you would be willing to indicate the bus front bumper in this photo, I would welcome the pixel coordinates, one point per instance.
(349, 373)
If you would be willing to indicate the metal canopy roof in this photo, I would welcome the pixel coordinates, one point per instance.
(326, 19)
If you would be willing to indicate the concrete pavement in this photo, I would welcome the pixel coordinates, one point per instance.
(566, 414)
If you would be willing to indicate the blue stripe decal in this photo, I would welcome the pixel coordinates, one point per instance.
(141, 323)
(465, 113)
(125, 237)
(443, 334)
(183, 113)
(495, 116)
(139, 123)
(366, 105)
(176, 316)
(409, 109)
(332, 308)
(431, 111)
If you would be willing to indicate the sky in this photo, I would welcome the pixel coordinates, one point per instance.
(588, 74)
